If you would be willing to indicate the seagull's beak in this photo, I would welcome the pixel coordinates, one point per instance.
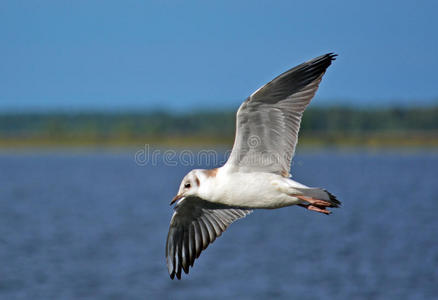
(176, 198)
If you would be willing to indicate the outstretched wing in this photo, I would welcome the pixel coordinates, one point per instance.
(194, 225)
(268, 121)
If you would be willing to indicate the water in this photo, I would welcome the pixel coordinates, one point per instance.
(93, 226)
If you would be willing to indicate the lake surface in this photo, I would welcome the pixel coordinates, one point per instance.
(92, 225)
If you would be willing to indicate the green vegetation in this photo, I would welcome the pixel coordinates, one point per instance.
(320, 126)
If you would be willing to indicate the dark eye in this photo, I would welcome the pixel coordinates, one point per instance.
(187, 185)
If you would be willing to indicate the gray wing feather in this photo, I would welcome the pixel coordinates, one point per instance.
(194, 225)
(268, 121)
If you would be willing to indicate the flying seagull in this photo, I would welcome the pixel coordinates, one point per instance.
(256, 175)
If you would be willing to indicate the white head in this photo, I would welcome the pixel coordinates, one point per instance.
(191, 183)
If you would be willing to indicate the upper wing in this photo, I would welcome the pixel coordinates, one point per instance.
(269, 120)
(194, 225)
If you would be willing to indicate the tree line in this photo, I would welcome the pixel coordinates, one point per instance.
(220, 125)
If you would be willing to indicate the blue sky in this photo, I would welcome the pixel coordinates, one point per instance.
(182, 55)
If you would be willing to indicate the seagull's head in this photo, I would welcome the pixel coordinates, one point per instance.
(189, 185)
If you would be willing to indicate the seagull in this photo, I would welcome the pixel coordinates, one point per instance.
(257, 172)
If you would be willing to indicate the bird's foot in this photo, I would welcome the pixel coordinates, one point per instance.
(317, 205)
(316, 208)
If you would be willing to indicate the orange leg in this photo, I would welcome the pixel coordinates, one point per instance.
(315, 208)
(317, 205)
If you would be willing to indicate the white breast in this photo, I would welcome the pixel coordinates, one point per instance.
(252, 190)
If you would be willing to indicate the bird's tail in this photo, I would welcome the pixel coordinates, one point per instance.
(332, 199)
(321, 194)
(315, 199)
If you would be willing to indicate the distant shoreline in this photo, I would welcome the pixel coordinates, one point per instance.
(370, 140)
(320, 127)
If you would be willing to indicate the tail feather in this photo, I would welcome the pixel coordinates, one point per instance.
(333, 200)
(321, 194)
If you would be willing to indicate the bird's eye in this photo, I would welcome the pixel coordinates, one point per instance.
(187, 185)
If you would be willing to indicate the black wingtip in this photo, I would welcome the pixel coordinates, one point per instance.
(332, 56)
(325, 59)
(310, 70)
(334, 201)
